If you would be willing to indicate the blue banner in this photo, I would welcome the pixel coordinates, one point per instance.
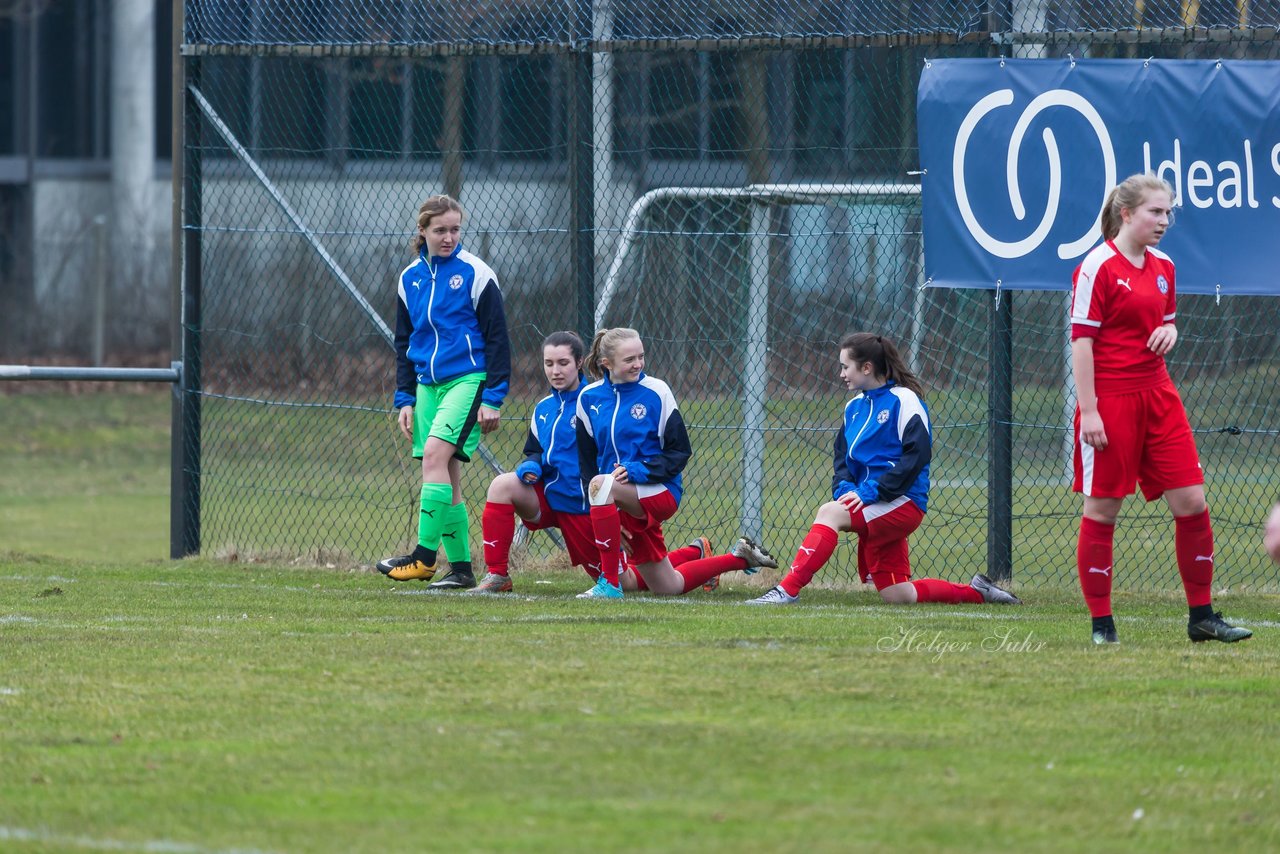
(1020, 154)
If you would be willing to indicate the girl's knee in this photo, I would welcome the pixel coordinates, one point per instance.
(899, 594)
(503, 488)
(833, 514)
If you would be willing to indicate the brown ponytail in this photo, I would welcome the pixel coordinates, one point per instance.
(603, 346)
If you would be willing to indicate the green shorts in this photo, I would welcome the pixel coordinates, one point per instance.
(448, 411)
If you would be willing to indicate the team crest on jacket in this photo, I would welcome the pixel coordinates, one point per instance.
(1163, 284)
(455, 282)
(883, 416)
(639, 411)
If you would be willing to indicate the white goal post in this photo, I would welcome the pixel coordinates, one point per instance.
(755, 354)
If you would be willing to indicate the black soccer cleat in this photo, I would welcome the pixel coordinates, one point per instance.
(1104, 631)
(1213, 627)
(454, 579)
(1105, 635)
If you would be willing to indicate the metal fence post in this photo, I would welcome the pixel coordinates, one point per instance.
(1000, 439)
(184, 484)
(581, 144)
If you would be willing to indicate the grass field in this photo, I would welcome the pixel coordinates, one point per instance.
(268, 708)
(204, 706)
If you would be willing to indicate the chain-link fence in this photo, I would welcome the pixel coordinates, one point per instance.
(314, 131)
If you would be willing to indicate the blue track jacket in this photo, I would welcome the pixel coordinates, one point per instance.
(635, 425)
(883, 448)
(551, 451)
(449, 323)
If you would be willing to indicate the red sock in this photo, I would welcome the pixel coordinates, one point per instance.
(814, 552)
(1193, 543)
(498, 528)
(684, 554)
(948, 592)
(607, 527)
(698, 572)
(1094, 564)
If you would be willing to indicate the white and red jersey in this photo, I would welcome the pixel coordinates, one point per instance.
(1119, 305)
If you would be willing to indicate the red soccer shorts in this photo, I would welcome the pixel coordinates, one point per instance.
(882, 530)
(1149, 443)
(579, 539)
(647, 544)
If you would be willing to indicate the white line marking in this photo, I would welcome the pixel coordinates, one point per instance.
(162, 846)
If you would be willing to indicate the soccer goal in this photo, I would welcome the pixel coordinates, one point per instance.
(760, 201)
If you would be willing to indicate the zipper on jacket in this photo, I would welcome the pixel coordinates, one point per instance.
(613, 423)
(552, 445)
(430, 301)
(870, 411)
(470, 353)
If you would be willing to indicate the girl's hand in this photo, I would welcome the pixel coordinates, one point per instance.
(619, 474)
(405, 420)
(1092, 433)
(1163, 339)
(530, 478)
(851, 500)
(488, 419)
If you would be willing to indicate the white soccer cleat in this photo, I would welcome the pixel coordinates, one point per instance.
(776, 596)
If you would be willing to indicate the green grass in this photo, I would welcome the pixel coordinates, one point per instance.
(85, 476)
(211, 705)
(273, 708)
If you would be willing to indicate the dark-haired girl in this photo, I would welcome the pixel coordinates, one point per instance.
(880, 490)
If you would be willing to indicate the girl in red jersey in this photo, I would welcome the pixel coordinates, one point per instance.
(880, 489)
(1130, 425)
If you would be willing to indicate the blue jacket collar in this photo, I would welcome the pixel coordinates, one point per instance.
(570, 395)
(438, 259)
(608, 380)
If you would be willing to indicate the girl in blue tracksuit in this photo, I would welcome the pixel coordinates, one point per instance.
(632, 448)
(546, 490)
(880, 489)
(452, 367)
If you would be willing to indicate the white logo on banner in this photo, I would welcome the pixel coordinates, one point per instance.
(1052, 98)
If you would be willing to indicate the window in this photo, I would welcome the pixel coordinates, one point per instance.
(9, 83)
(526, 108)
(72, 79)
